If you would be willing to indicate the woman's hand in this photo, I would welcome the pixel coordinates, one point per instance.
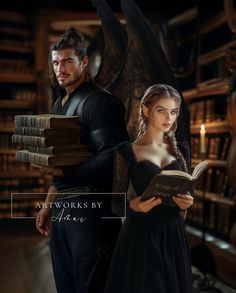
(183, 201)
(144, 206)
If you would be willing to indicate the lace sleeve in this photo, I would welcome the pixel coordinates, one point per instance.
(120, 184)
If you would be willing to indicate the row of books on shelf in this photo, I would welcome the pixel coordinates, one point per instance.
(8, 163)
(50, 140)
(6, 193)
(216, 147)
(19, 214)
(207, 111)
(7, 116)
(7, 126)
(23, 200)
(19, 95)
(21, 183)
(16, 66)
(5, 141)
(15, 31)
(24, 95)
(16, 185)
(16, 43)
(23, 212)
(215, 180)
(212, 70)
(218, 217)
(19, 205)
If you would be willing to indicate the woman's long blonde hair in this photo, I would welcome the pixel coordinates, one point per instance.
(149, 99)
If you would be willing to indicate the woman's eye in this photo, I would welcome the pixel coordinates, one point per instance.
(174, 112)
(160, 111)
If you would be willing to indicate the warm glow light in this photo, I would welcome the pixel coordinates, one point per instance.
(202, 139)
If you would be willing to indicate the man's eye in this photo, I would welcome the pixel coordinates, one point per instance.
(173, 112)
(55, 63)
(160, 111)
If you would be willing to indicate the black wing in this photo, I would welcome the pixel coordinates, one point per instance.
(115, 39)
(145, 64)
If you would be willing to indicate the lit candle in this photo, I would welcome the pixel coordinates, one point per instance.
(202, 139)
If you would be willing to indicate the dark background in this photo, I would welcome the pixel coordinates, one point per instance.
(171, 7)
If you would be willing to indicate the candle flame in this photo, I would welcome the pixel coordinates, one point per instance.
(202, 127)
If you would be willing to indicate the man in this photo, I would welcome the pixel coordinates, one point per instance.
(81, 241)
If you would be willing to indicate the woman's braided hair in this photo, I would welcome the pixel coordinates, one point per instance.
(150, 97)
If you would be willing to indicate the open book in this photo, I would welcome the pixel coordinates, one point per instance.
(169, 183)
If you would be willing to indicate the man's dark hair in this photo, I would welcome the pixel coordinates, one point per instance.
(71, 39)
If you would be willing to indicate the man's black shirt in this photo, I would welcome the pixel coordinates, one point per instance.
(103, 123)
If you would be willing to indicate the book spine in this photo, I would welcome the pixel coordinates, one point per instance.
(32, 131)
(28, 157)
(225, 149)
(32, 121)
(28, 140)
(41, 150)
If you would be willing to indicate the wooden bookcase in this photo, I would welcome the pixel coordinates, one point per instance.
(20, 85)
(202, 40)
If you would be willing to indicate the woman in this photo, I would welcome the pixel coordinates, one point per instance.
(151, 254)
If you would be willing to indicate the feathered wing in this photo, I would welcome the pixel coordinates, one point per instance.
(115, 39)
(145, 64)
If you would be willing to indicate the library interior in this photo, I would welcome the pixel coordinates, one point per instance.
(199, 41)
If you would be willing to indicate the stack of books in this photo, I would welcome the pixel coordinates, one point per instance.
(49, 140)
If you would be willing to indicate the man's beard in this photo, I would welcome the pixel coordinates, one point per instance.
(71, 82)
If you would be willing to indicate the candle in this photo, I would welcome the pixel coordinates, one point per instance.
(202, 139)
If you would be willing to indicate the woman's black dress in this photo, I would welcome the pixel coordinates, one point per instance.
(151, 255)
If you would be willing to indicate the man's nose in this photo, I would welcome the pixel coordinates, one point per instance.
(61, 67)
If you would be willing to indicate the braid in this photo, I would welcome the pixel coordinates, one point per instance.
(171, 141)
(142, 124)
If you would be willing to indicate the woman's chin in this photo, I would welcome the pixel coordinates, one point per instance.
(166, 130)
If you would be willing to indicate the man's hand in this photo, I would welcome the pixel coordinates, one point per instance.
(183, 201)
(43, 221)
(54, 171)
(43, 218)
(144, 206)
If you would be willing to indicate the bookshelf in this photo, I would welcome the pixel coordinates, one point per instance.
(20, 88)
(202, 40)
(25, 84)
